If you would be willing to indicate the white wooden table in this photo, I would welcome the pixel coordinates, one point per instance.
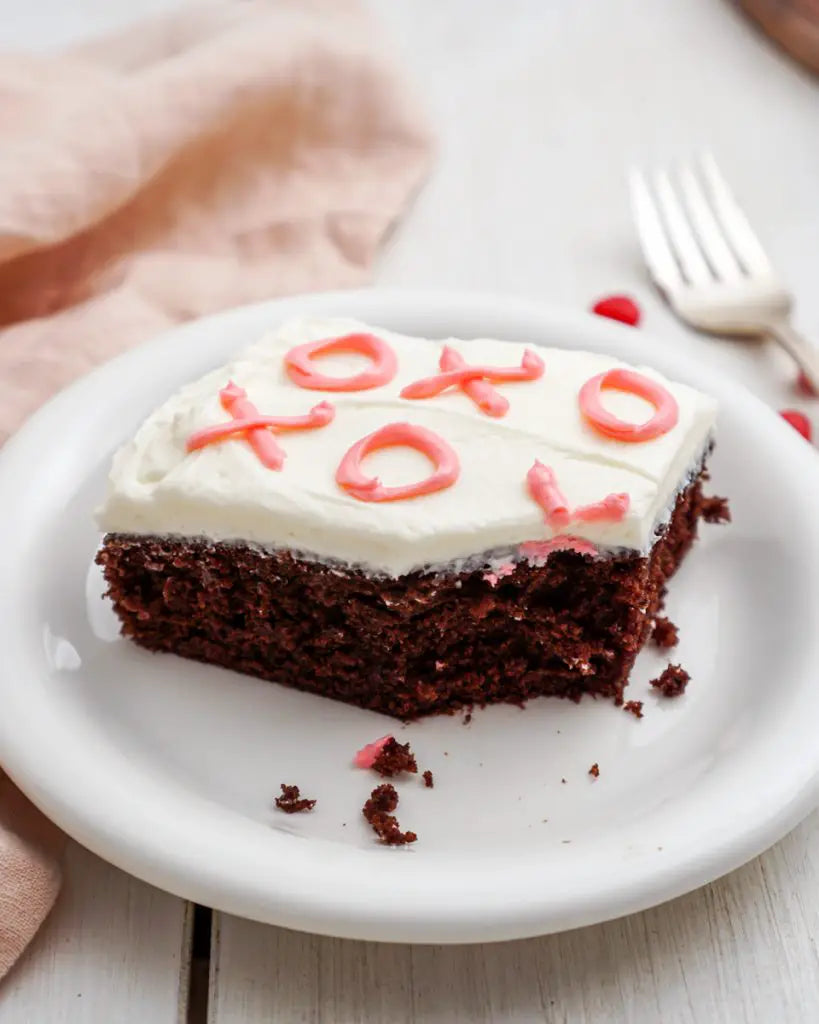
(539, 104)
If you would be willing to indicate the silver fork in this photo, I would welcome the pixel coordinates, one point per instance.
(708, 263)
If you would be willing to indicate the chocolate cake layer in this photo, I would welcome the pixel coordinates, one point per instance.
(408, 646)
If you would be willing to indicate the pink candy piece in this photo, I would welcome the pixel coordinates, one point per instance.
(537, 551)
(385, 363)
(543, 488)
(618, 307)
(350, 476)
(504, 569)
(475, 381)
(664, 419)
(799, 421)
(365, 757)
(256, 429)
(613, 508)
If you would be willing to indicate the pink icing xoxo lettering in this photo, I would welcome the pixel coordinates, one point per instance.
(666, 411)
(351, 478)
(475, 381)
(247, 424)
(385, 363)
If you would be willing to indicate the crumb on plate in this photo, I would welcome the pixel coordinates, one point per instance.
(292, 802)
(672, 681)
(665, 633)
(378, 813)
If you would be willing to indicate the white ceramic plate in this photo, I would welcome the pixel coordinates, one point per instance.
(168, 768)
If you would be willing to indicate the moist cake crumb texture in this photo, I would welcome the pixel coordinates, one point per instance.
(429, 782)
(291, 801)
(394, 758)
(635, 707)
(570, 626)
(665, 633)
(378, 813)
(672, 681)
(715, 510)
(594, 771)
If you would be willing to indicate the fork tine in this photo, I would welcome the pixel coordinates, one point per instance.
(735, 224)
(658, 255)
(706, 227)
(682, 238)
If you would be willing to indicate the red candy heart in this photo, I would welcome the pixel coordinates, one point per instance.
(799, 421)
(618, 307)
(804, 386)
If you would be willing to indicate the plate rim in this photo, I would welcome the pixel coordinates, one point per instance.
(330, 913)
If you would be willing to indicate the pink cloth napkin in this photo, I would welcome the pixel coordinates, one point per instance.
(228, 153)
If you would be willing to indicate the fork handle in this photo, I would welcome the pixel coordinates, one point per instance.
(795, 344)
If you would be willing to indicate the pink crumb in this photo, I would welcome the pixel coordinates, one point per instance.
(505, 569)
(365, 757)
(537, 551)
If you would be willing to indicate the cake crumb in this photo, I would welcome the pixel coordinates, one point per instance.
(672, 681)
(562, 780)
(378, 813)
(715, 510)
(429, 782)
(394, 758)
(665, 633)
(594, 771)
(292, 802)
(467, 718)
(635, 707)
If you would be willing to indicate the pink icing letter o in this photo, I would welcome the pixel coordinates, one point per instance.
(666, 411)
(350, 476)
(385, 364)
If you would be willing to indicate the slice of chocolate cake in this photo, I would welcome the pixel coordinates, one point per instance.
(408, 525)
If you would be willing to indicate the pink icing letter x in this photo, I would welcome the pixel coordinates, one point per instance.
(475, 381)
(257, 430)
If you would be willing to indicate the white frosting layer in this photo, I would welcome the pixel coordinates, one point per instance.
(225, 493)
